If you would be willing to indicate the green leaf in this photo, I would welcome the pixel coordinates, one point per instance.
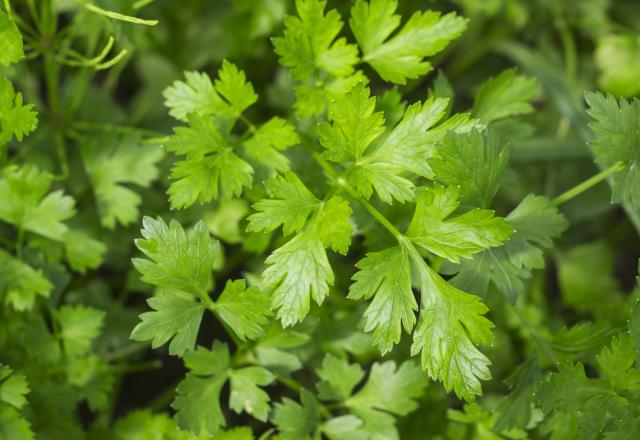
(332, 224)
(268, 141)
(204, 362)
(11, 50)
(590, 403)
(616, 127)
(176, 316)
(346, 427)
(386, 276)
(195, 96)
(211, 168)
(13, 387)
(617, 363)
(14, 426)
(473, 162)
(18, 120)
(83, 251)
(313, 99)
(309, 43)
(243, 309)
(236, 434)
(295, 421)
(27, 204)
(20, 284)
(80, 326)
(355, 125)
(505, 95)
(113, 161)
(198, 395)
(535, 222)
(233, 86)
(94, 378)
(618, 59)
(178, 259)
(339, 378)
(516, 409)
(297, 272)
(381, 163)
(401, 57)
(246, 394)
(144, 425)
(390, 389)
(449, 327)
(198, 404)
(290, 206)
(460, 236)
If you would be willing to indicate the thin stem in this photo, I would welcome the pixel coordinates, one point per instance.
(140, 366)
(342, 183)
(569, 49)
(98, 126)
(7, 7)
(61, 152)
(590, 182)
(125, 351)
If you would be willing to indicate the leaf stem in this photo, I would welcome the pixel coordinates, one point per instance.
(582, 187)
(342, 183)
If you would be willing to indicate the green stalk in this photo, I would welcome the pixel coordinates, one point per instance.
(590, 182)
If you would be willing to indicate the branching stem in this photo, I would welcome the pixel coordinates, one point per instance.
(590, 182)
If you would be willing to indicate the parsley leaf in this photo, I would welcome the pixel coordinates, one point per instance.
(246, 394)
(401, 57)
(175, 316)
(617, 56)
(211, 167)
(450, 323)
(616, 126)
(233, 86)
(112, 160)
(332, 224)
(28, 205)
(375, 162)
(386, 276)
(11, 50)
(244, 309)
(309, 42)
(472, 161)
(617, 363)
(339, 378)
(588, 401)
(79, 325)
(83, 251)
(460, 236)
(178, 259)
(267, 142)
(290, 206)
(508, 94)
(18, 120)
(297, 272)
(535, 222)
(20, 284)
(197, 95)
(295, 421)
(389, 390)
(13, 387)
(198, 395)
